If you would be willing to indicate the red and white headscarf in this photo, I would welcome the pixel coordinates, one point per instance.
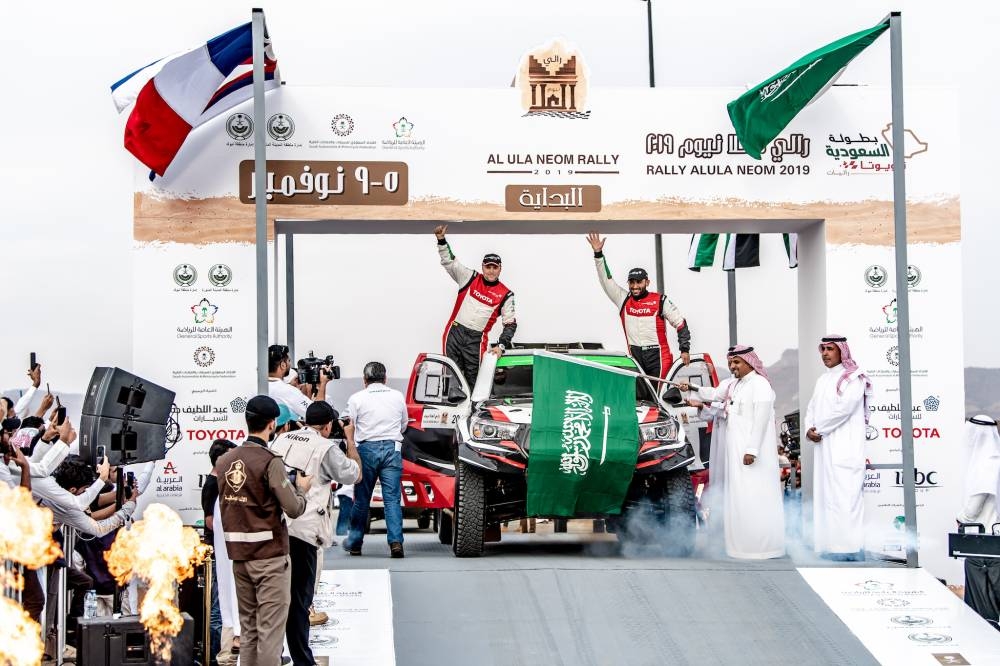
(850, 365)
(748, 355)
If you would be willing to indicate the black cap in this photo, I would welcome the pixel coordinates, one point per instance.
(319, 413)
(264, 406)
(638, 274)
(11, 424)
(492, 258)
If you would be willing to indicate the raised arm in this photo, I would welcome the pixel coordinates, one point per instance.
(615, 292)
(460, 273)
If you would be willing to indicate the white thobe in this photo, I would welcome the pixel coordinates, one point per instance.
(753, 513)
(982, 475)
(715, 411)
(838, 461)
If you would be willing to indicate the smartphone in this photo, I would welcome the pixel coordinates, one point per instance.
(60, 413)
(130, 479)
(32, 361)
(293, 475)
(100, 454)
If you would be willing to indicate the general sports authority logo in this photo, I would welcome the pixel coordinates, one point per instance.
(204, 356)
(403, 128)
(185, 275)
(342, 124)
(876, 276)
(280, 127)
(239, 126)
(220, 275)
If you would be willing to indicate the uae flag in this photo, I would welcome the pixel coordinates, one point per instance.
(741, 251)
(761, 113)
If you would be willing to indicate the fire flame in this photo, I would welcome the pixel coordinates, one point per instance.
(162, 552)
(27, 539)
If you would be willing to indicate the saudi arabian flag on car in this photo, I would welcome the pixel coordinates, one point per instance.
(584, 437)
(761, 113)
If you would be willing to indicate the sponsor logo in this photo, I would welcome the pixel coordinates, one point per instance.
(185, 275)
(918, 433)
(239, 126)
(922, 480)
(950, 658)
(553, 82)
(910, 620)
(892, 356)
(889, 311)
(169, 483)
(170, 468)
(871, 433)
(403, 128)
(876, 276)
(930, 638)
(238, 405)
(875, 586)
(280, 127)
(912, 145)
(204, 312)
(899, 523)
(317, 640)
(932, 403)
(206, 434)
(220, 275)
(236, 476)
(893, 602)
(873, 480)
(204, 356)
(342, 124)
(913, 276)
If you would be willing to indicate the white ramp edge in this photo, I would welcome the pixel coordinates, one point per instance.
(906, 616)
(359, 632)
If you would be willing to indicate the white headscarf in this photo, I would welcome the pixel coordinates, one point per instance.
(982, 473)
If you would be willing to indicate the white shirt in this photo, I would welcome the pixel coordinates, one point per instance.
(288, 395)
(378, 413)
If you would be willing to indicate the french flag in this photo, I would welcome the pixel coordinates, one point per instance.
(175, 94)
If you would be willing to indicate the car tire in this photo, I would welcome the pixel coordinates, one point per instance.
(445, 529)
(679, 515)
(424, 521)
(470, 510)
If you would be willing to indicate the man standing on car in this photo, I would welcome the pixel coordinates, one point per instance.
(643, 314)
(836, 420)
(481, 299)
(378, 418)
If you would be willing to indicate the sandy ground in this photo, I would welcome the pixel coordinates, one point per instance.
(225, 219)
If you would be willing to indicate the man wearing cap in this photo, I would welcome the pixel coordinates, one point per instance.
(311, 451)
(254, 495)
(481, 299)
(982, 487)
(836, 421)
(279, 366)
(644, 315)
(752, 510)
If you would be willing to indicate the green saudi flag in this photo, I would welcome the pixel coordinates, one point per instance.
(584, 437)
(760, 114)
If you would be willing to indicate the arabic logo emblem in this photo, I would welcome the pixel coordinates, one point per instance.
(913, 276)
(236, 476)
(220, 275)
(890, 312)
(204, 356)
(911, 620)
(876, 276)
(238, 405)
(342, 124)
(403, 127)
(930, 638)
(892, 355)
(912, 145)
(932, 402)
(553, 82)
(871, 433)
(185, 275)
(204, 312)
(280, 127)
(239, 126)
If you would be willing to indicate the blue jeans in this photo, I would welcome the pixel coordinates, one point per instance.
(381, 461)
(346, 505)
(215, 619)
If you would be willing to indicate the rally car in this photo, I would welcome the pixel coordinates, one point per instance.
(481, 436)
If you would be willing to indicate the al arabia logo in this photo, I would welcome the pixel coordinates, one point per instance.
(170, 469)
(239, 126)
(912, 145)
(280, 127)
(204, 356)
(890, 312)
(932, 403)
(403, 127)
(876, 276)
(892, 355)
(236, 476)
(342, 124)
(185, 275)
(913, 276)
(238, 405)
(204, 312)
(220, 275)
(553, 82)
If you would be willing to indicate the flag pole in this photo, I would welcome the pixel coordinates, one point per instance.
(731, 292)
(902, 289)
(260, 201)
(657, 238)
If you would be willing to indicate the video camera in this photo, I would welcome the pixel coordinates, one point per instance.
(311, 368)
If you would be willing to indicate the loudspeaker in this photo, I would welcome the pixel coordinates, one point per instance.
(108, 641)
(112, 391)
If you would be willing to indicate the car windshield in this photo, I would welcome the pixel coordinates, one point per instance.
(513, 376)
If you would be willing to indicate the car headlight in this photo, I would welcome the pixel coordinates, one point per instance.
(489, 430)
(664, 431)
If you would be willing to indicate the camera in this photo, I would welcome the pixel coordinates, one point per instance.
(310, 368)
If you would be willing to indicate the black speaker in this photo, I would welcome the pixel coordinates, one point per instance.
(108, 641)
(110, 393)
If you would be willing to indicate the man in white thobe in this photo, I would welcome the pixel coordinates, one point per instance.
(835, 422)
(715, 412)
(752, 510)
(982, 478)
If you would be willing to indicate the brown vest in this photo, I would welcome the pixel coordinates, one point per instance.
(251, 515)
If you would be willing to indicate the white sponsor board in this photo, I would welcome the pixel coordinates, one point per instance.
(359, 631)
(906, 617)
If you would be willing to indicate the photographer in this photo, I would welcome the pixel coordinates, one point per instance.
(312, 452)
(291, 394)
